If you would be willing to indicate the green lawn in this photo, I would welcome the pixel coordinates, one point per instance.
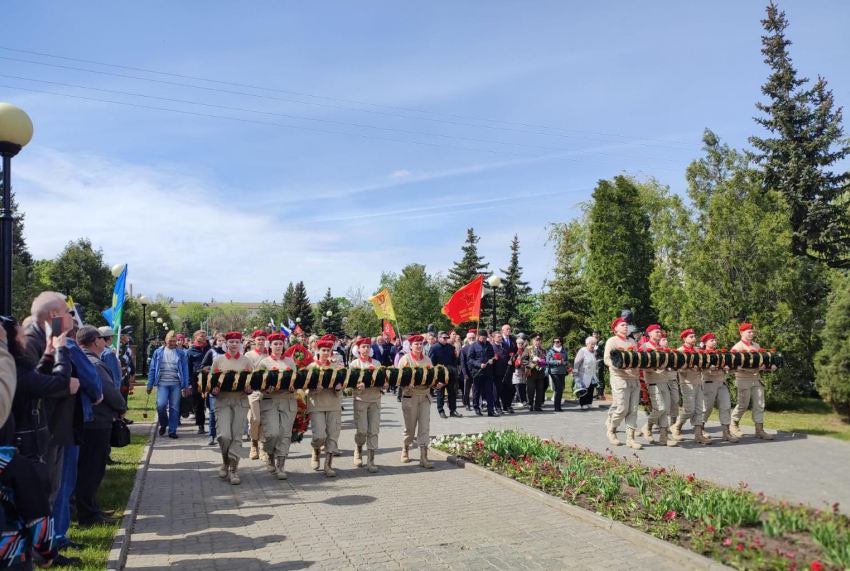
(137, 402)
(810, 416)
(113, 495)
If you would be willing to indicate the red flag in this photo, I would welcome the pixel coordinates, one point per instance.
(465, 304)
(388, 330)
(297, 329)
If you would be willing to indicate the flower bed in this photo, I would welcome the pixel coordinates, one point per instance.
(736, 527)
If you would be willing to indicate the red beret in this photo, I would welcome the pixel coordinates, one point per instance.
(653, 327)
(274, 337)
(259, 333)
(363, 341)
(686, 332)
(745, 326)
(415, 339)
(705, 338)
(473, 330)
(233, 335)
(616, 322)
(329, 337)
(663, 335)
(180, 336)
(324, 344)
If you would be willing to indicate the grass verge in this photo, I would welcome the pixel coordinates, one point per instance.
(113, 495)
(809, 416)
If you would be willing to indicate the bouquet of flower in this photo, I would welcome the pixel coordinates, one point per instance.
(302, 420)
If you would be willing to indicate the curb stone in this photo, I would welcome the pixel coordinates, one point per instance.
(118, 553)
(687, 558)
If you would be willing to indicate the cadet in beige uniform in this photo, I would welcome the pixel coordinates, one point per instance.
(277, 410)
(255, 427)
(672, 389)
(367, 407)
(325, 408)
(750, 387)
(716, 390)
(625, 388)
(231, 409)
(416, 405)
(659, 395)
(690, 382)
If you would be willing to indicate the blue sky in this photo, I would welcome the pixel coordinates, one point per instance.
(511, 113)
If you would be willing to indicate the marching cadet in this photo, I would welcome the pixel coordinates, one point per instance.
(716, 390)
(325, 408)
(256, 354)
(277, 410)
(690, 382)
(231, 408)
(625, 388)
(367, 407)
(750, 387)
(416, 405)
(673, 390)
(659, 395)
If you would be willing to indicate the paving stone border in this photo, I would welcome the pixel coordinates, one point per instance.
(118, 553)
(687, 558)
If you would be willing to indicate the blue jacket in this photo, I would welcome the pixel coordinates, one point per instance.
(479, 355)
(91, 388)
(156, 363)
(111, 361)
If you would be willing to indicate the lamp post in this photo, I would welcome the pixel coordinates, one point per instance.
(145, 301)
(494, 282)
(15, 133)
(326, 320)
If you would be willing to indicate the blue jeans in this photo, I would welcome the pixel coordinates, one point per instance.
(61, 508)
(211, 403)
(168, 395)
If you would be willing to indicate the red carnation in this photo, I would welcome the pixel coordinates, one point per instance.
(773, 350)
(217, 371)
(734, 350)
(495, 357)
(723, 350)
(761, 350)
(753, 351)
(557, 355)
(371, 367)
(666, 349)
(630, 348)
(274, 368)
(640, 350)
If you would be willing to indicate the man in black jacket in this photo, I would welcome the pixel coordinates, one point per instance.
(480, 363)
(463, 367)
(502, 378)
(194, 358)
(600, 365)
(94, 450)
(443, 353)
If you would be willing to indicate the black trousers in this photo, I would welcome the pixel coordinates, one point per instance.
(91, 467)
(588, 396)
(508, 390)
(536, 387)
(451, 389)
(522, 393)
(600, 378)
(558, 381)
(198, 401)
(467, 390)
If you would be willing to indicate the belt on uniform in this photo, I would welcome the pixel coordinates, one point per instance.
(708, 382)
(407, 397)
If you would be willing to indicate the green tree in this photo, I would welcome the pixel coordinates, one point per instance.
(80, 271)
(226, 317)
(513, 294)
(301, 307)
(288, 297)
(798, 160)
(620, 253)
(332, 324)
(833, 361)
(565, 305)
(416, 299)
(192, 315)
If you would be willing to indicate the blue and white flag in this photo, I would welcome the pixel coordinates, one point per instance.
(291, 324)
(271, 323)
(285, 331)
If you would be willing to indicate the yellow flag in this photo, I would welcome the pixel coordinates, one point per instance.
(383, 305)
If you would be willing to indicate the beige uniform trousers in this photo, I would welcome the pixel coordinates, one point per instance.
(231, 410)
(278, 416)
(417, 416)
(659, 397)
(255, 425)
(367, 423)
(717, 392)
(326, 426)
(673, 389)
(626, 395)
(750, 392)
(692, 404)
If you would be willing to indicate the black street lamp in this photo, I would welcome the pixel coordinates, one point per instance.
(144, 301)
(15, 133)
(494, 282)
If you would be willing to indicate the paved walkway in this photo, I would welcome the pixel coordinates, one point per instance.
(403, 517)
(797, 467)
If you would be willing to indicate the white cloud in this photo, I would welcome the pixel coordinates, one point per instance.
(401, 173)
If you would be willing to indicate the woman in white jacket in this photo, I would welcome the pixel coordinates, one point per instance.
(584, 369)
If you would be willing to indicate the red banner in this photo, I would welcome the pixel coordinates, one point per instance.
(465, 304)
(297, 329)
(388, 330)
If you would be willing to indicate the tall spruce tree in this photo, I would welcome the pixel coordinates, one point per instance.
(466, 270)
(301, 307)
(798, 160)
(514, 293)
(565, 309)
(332, 324)
(286, 303)
(621, 255)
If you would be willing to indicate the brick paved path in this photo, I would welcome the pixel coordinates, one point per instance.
(797, 467)
(400, 518)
